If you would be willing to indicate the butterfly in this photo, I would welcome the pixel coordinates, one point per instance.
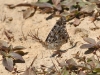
(58, 35)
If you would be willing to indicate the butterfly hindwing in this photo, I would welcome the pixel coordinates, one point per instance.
(58, 35)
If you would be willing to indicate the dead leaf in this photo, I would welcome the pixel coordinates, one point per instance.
(28, 13)
(56, 2)
(9, 35)
(76, 22)
(11, 6)
(81, 73)
(31, 70)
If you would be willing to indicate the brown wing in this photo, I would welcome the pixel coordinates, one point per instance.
(58, 34)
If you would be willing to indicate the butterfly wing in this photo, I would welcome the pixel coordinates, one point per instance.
(58, 35)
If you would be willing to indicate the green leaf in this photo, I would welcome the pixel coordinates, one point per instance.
(43, 0)
(10, 48)
(65, 13)
(71, 62)
(3, 43)
(82, 4)
(92, 59)
(90, 50)
(89, 40)
(21, 53)
(98, 43)
(84, 46)
(92, 64)
(3, 53)
(84, 66)
(18, 48)
(8, 63)
(43, 4)
(58, 7)
(89, 8)
(64, 71)
(16, 56)
(97, 64)
(96, 70)
(70, 3)
(93, 1)
(73, 73)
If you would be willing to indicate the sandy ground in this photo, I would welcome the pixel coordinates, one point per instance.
(34, 23)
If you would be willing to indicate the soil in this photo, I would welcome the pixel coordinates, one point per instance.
(12, 20)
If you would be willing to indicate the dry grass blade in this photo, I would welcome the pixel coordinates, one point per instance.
(56, 68)
(31, 70)
(9, 35)
(36, 38)
(33, 60)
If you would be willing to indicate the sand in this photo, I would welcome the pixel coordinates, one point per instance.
(19, 26)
